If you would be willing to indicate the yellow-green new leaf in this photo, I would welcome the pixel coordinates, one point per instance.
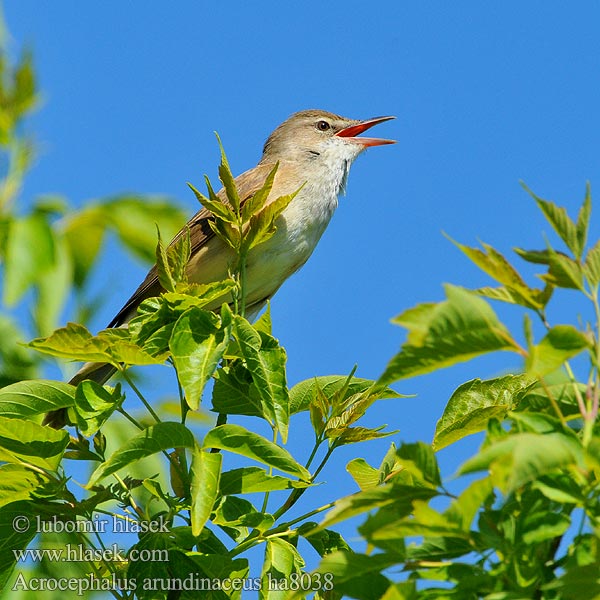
(262, 224)
(561, 222)
(257, 201)
(215, 205)
(591, 267)
(524, 457)
(74, 342)
(163, 269)
(496, 266)
(474, 403)
(558, 345)
(583, 219)
(400, 496)
(456, 330)
(365, 476)
(227, 179)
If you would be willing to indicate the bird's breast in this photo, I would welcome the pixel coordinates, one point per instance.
(299, 229)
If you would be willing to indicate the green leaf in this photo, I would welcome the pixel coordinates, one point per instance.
(560, 388)
(591, 267)
(542, 526)
(156, 438)
(239, 440)
(94, 404)
(213, 567)
(29, 254)
(26, 442)
(524, 457)
(303, 394)
(266, 360)
(325, 541)
(578, 583)
(206, 472)
(561, 488)
(560, 221)
(496, 266)
(558, 345)
(356, 575)
(249, 480)
(153, 325)
(26, 399)
(13, 540)
(463, 509)
(281, 560)
(400, 497)
(419, 459)
(458, 329)
(235, 393)
(424, 521)
(198, 342)
(17, 482)
(474, 403)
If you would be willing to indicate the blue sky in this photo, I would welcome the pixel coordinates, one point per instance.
(486, 95)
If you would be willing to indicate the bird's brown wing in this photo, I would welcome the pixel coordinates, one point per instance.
(200, 233)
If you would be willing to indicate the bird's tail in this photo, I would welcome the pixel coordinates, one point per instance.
(98, 372)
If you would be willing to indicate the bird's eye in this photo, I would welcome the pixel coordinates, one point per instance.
(323, 125)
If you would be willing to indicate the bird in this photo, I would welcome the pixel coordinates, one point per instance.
(314, 150)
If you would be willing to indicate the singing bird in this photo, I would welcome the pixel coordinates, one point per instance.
(314, 149)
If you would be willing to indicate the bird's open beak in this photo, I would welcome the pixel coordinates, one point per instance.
(354, 130)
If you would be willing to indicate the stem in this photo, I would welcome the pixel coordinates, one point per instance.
(317, 445)
(182, 402)
(295, 495)
(255, 538)
(553, 402)
(266, 498)
(130, 419)
(243, 282)
(140, 396)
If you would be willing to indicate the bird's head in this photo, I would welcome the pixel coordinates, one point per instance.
(318, 136)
